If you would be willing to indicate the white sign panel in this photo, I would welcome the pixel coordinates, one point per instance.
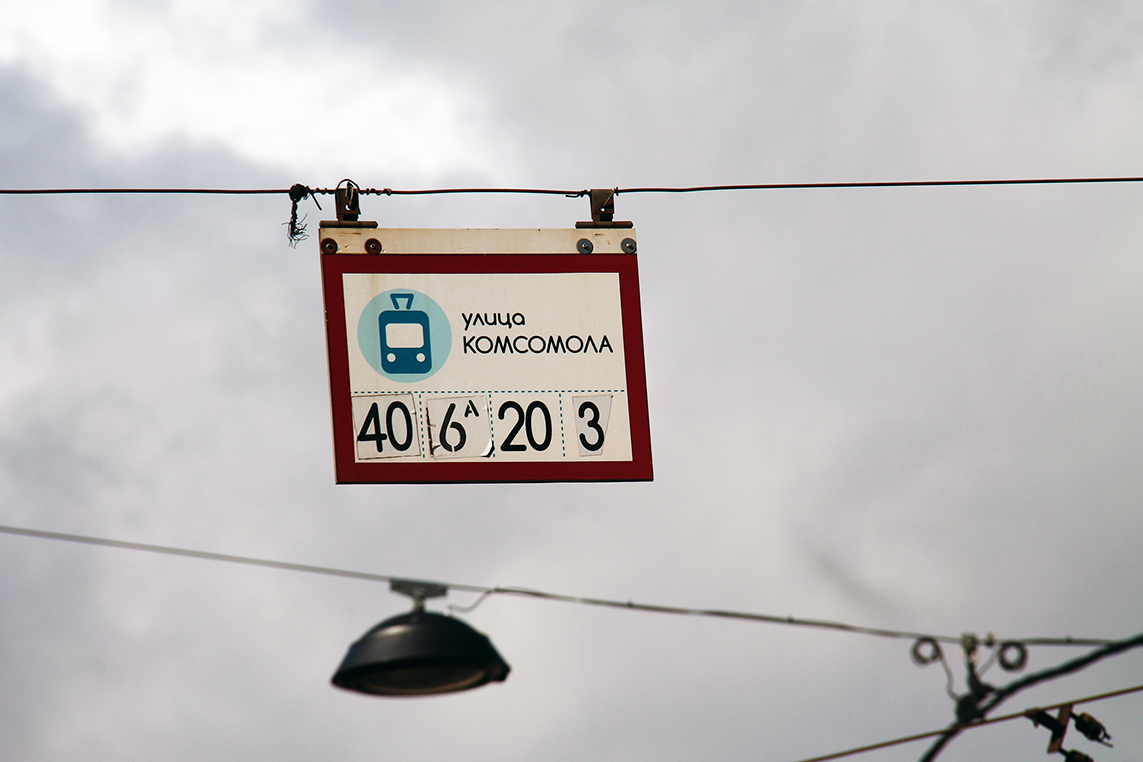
(500, 359)
(459, 360)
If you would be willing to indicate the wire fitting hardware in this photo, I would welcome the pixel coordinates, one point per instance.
(1012, 655)
(1018, 658)
(603, 210)
(925, 651)
(348, 204)
(348, 201)
(1058, 725)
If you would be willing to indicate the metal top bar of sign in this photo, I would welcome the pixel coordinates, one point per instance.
(338, 239)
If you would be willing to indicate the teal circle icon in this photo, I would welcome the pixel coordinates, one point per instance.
(404, 335)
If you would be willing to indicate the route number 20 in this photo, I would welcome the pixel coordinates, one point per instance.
(526, 420)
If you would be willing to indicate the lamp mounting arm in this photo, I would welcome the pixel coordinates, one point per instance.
(418, 591)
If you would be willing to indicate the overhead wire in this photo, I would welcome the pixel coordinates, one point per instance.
(296, 229)
(883, 184)
(189, 191)
(584, 192)
(788, 620)
(524, 592)
(949, 675)
(208, 556)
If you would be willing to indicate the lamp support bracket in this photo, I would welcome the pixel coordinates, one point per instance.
(418, 591)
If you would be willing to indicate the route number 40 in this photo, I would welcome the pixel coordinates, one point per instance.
(386, 427)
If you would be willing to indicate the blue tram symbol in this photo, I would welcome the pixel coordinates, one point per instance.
(405, 343)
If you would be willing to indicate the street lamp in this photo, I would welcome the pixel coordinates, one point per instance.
(420, 653)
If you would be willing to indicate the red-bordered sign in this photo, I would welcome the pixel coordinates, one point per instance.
(485, 355)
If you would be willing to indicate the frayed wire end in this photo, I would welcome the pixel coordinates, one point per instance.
(297, 229)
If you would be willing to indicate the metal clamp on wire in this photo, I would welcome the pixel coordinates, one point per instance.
(348, 201)
(603, 210)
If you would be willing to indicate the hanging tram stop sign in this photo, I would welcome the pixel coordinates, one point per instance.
(485, 355)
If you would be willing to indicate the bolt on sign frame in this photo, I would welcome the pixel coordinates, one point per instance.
(484, 355)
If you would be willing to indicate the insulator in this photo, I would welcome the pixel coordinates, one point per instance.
(1092, 728)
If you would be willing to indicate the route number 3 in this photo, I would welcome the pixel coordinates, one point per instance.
(591, 417)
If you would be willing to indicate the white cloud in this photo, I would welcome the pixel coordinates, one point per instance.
(253, 78)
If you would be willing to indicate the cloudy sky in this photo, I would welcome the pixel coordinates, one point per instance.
(905, 408)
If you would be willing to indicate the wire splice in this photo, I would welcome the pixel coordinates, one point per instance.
(297, 230)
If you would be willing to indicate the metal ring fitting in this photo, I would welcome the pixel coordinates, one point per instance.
(1016, 662)
(925, 651)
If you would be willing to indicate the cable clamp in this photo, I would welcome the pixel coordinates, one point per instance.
(603, 210)
(348, 201)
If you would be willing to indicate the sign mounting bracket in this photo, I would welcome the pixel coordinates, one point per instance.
(603, 210)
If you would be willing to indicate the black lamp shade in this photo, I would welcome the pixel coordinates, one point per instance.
(419, 654)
